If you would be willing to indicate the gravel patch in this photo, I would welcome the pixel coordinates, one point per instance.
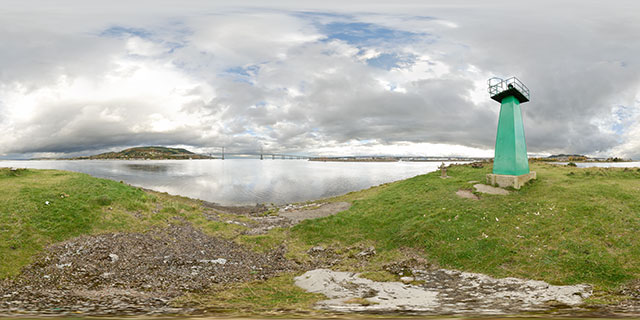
(133, 273)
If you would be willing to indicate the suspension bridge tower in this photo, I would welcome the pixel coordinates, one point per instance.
(510, 164)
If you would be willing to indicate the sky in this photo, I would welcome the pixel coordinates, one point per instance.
(323, 78)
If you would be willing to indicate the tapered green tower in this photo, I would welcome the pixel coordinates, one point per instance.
(510, 165)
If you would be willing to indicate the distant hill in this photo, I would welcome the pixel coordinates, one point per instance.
(556, 156)
(153, 153)
(578, 158)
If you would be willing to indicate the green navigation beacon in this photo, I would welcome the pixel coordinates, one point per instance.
(510, 164)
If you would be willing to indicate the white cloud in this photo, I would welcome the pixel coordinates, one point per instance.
(303, 76)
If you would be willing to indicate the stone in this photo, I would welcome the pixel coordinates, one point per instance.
(504, 180)
(215, 261)
(443, 171)
(441, 291)
(490, 190)
(340, 287)
(316, 249)
(407, 279)
(367, 252)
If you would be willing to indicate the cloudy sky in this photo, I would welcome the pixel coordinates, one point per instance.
(316, 77)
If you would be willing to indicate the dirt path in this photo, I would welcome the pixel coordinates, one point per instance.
(296, 216)
(284, 217)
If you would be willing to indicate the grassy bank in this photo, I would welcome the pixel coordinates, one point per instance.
(569, 226)
(41, 207)
(572, 225)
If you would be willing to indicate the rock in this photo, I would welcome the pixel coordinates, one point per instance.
(442, 291)
(114, 257)
(316, 249)
(343, 287)
(490, 190)
(367, 252)
(477, 164)
(215, 261)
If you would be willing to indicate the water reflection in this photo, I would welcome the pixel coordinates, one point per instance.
(147, 167)
(247, 181)
(632, 164)
(242, 181)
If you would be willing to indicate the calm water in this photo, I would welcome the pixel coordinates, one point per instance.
(242, 181)
(635, 164)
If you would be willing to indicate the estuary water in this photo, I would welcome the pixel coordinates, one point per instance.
(242, 181)
(632, 164)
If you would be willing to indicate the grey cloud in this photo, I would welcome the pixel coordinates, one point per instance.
(578, 58)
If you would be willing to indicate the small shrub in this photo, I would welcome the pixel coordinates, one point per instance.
(13, 172)
(477, 164)
(572, 164)
(103, 200)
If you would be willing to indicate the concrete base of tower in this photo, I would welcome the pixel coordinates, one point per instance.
(503, 180)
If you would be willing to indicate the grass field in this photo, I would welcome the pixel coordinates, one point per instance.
(569, 226)
(41, 207)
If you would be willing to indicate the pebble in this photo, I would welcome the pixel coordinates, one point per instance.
(316, 249)
(217, 261)
(367, 252)
(407, 279)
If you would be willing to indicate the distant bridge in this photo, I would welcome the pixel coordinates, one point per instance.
(288, 156)
(395, 159)
(261, 156)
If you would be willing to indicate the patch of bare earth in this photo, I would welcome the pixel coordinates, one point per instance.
(133, 273)
(298, 215)
(286, 216)
(467, 194)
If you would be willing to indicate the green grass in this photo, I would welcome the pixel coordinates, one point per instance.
(41, 207)
(46, 206)
(278, 294)
(569, 226)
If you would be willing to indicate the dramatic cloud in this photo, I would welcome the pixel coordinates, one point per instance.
(316, 78)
